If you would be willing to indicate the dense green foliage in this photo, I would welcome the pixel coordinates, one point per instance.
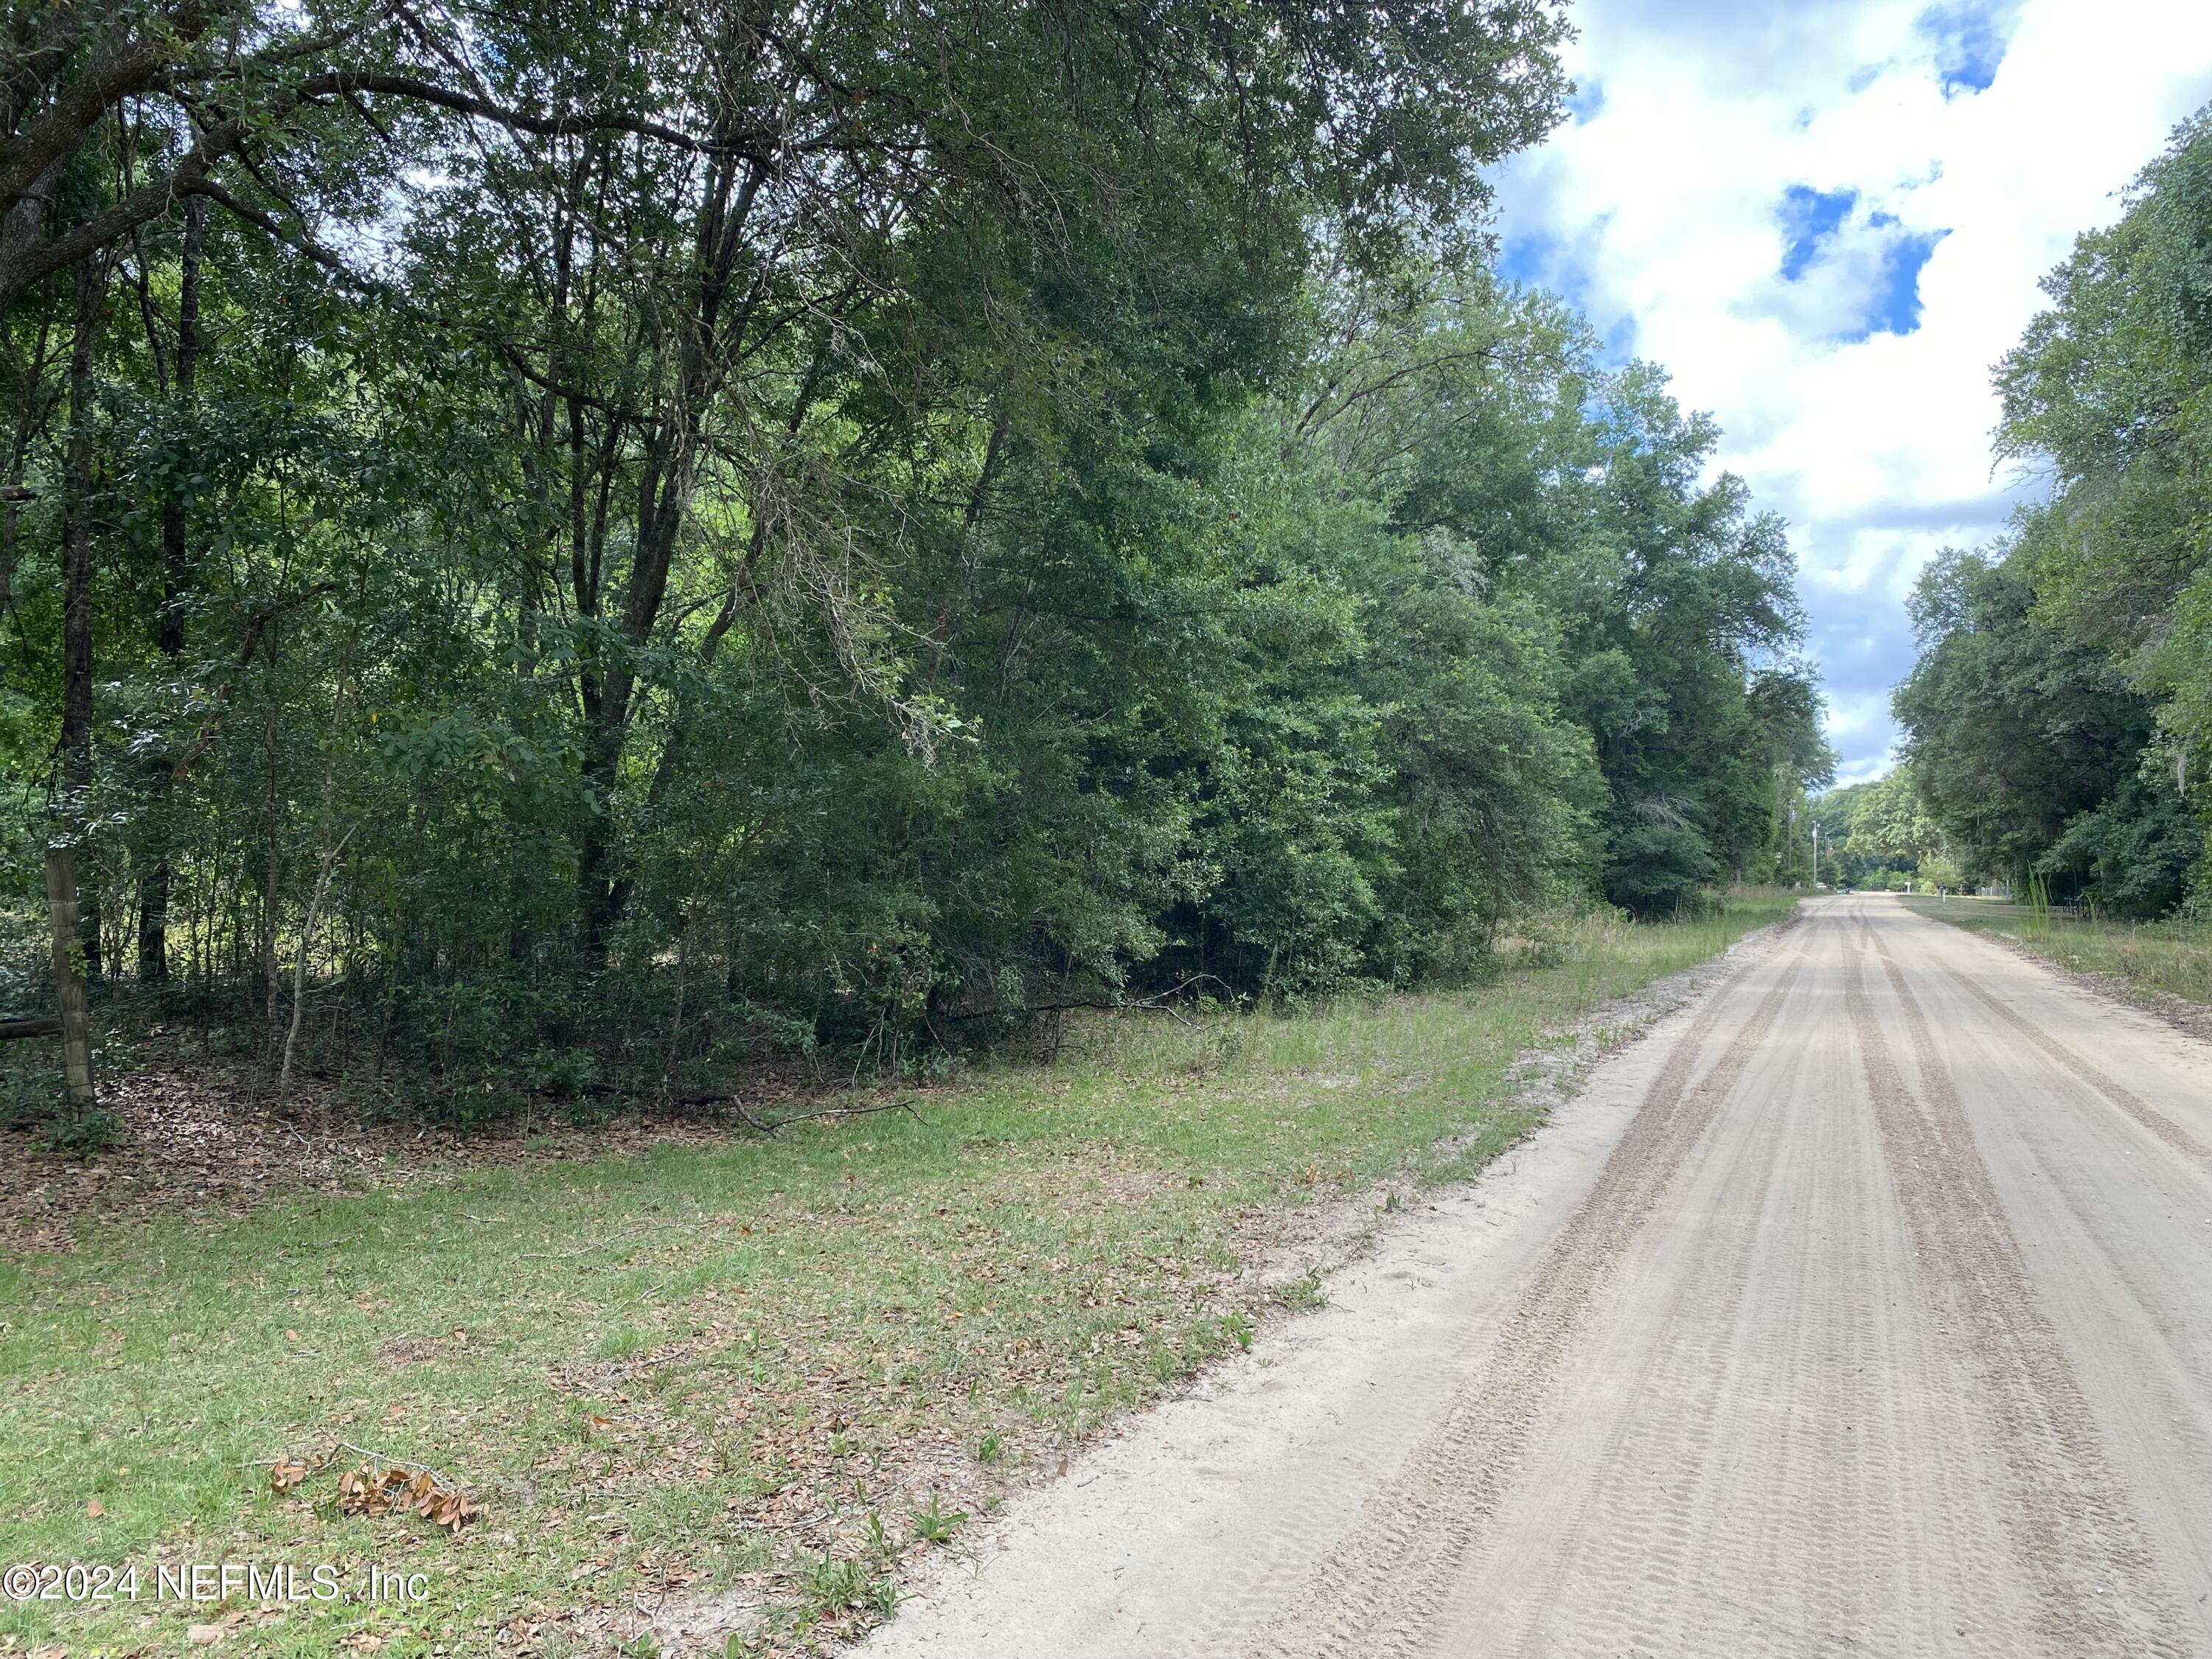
(1881, 835)
(620, 541)
(2060, 717)
(1843, 864)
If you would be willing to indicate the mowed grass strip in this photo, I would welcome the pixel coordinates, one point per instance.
(723, 1388)
(2172, 957)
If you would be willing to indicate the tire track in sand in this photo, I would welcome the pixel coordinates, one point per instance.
(2081, 1070)
(1618, 1542)
(1374, 1594)
(2067, 1513)
(1766, 1488)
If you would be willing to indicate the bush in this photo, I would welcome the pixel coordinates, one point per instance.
(32, 1099)
(1660, 869)
(2132, 855)
(81, 1133)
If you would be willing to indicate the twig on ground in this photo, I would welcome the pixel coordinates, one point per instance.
(1159, 1002)
(317, 1464)
(791, 1525)
(906, 1106)
(769, 1126)
(386, 1459)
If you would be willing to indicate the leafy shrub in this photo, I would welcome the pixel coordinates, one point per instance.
(563, 1073)
(1660, 869)
(32, 1099)
(81, 1133)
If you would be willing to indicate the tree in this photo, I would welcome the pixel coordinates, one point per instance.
(1886, 828)
(615, 541)
(2024, 744)
(2110, 388)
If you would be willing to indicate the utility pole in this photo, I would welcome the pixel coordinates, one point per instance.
(1816, 854)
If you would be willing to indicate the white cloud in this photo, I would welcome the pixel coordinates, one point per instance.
(1665, 210)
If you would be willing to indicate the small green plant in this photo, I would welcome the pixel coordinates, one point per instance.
(1214, 1049)
(586, 1421)
(991, 1448)
(32, 1099)
(81, 1134)
(934, 1526)
(834, 1586)
(1239, 1328)
(623, 1342)
(1303, 1294)
(563, 1073)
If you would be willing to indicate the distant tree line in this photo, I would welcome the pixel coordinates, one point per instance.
(2059, 719)
(598, 543)
(1881, 835)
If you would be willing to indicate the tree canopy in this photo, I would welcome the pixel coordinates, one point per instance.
(2059, 719)
(615, 541)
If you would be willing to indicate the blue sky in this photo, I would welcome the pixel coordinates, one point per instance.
(1827, 219)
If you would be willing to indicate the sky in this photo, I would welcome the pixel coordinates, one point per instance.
(1827, 219)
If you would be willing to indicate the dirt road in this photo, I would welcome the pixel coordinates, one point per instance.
(1865, 1307)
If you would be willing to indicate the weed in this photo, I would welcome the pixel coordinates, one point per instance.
(623, 1342)
(839, 1586)
(564, 1073)
(1239, 1328)
(991, 1448)
(32, 1099)
(933, 1525)
(832, 1586)
(81, 1134)
(1214, 1049)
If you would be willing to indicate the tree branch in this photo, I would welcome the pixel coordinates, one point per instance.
(417, 90)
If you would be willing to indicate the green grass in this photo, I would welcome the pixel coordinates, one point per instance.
(2173, 958)
(696, 1373)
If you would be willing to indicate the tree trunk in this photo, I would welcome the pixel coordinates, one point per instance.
(76, 583)
(69, 979)
(176, 570)
(664, 496)
(300, 969)
(266, 945)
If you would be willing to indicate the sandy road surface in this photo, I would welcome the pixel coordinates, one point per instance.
(1864, 1307)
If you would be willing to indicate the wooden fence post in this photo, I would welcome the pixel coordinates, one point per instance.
(69, 973)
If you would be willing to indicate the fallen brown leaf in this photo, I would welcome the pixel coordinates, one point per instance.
(287, 1473)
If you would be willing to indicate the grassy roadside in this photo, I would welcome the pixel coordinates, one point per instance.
(706, 1391)
(2162, 958)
